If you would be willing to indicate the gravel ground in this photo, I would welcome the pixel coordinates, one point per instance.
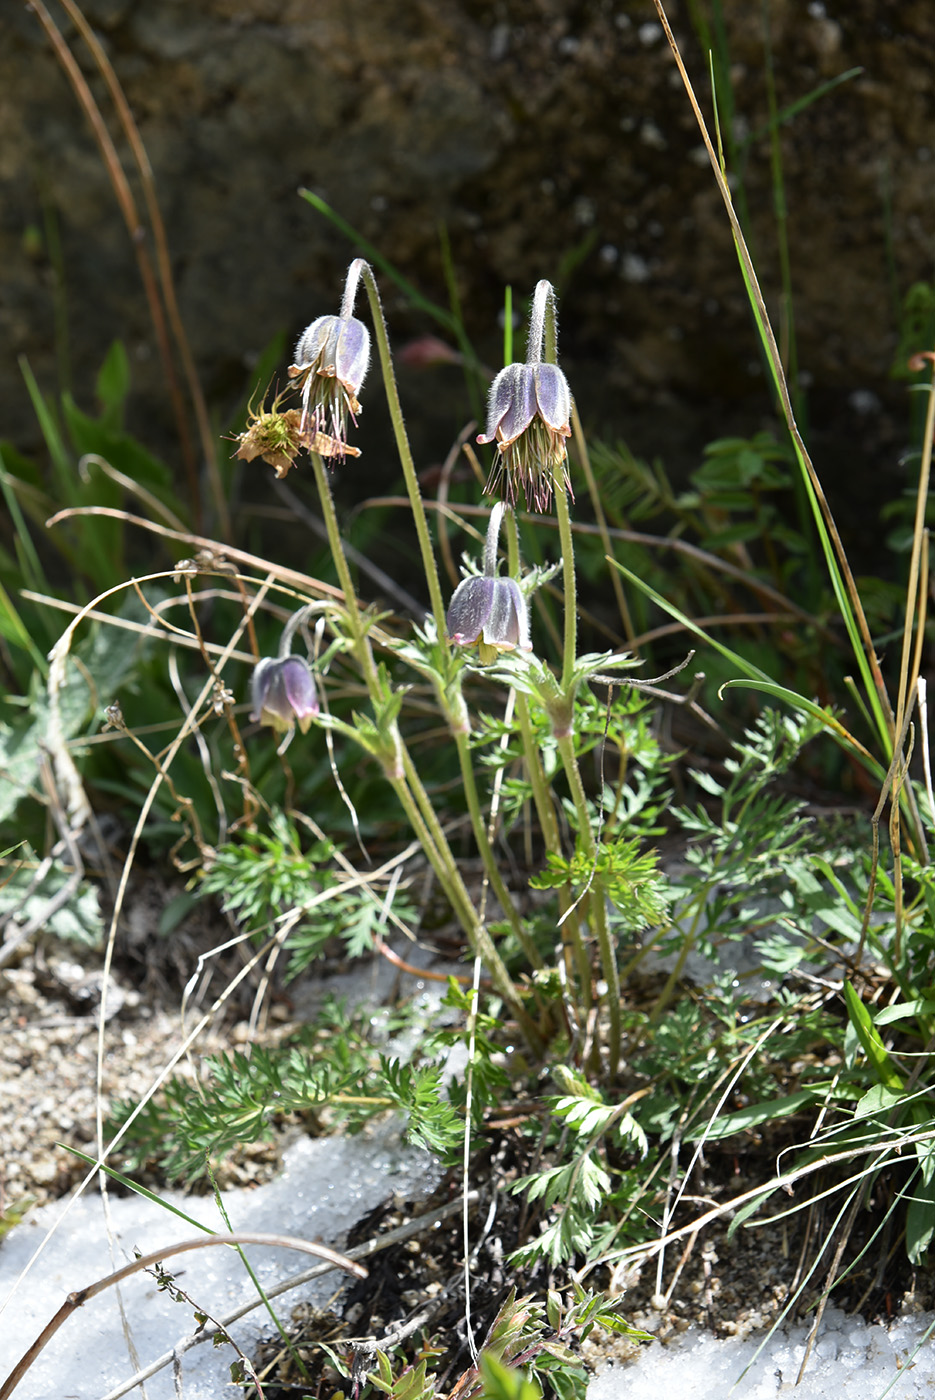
(49, 1020)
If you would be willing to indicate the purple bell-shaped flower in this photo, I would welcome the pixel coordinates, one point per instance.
(332, 357)
(487, 611)
(528, 417)
(283, 693)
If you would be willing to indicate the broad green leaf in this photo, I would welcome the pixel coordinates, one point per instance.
(506, 1382)
(755, 1113)
(113, 384)
(920, 1215)
(876, 1102)
(904, 1011)
(880, 1060)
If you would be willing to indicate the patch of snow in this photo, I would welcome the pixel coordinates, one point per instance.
(327, 1185)
(851, 1360)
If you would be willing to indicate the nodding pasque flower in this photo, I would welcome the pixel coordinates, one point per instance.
(528, 416)
(488, 611)
(333, 355)
(283, 693)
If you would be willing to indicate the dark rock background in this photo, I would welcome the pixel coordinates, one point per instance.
(552, 138)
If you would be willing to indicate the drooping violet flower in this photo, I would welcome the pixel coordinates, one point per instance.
(487, 611)
(283, 693)
(333, 355)
(528, 416)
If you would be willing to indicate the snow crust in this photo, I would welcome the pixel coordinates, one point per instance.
(328, 1184)
(851, 1360)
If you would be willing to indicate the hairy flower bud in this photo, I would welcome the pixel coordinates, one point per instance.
(283, 693)
(528, 417)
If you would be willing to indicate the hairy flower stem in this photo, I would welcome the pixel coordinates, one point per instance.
(543, 330)
(409, 788)
(543, 322)
(577, 962)
(491, 869)
(336, 545)
(430, 568)
(569, 593)
(576, 954)
(432, 838)
(429, 564)
(452, 704)
(597, 900)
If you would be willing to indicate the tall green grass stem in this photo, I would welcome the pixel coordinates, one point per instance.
(839, 570)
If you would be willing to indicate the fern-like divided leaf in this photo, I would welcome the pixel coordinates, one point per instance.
(340, 1077)
(262, 877)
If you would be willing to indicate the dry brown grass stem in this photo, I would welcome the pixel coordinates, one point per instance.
(136, 230)
(147, 1261)
(163, 260)
(421, 1224)
(291, 577)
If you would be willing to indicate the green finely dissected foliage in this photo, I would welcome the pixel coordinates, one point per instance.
(262, 881)
(328, 1074)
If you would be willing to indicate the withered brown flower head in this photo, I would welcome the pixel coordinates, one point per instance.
(274, 436)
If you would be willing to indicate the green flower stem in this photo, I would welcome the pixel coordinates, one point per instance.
(336, 545)
(402, 447)
(597, 900)
(548, 335)
(427, 827)
(576, 953)
(497, 883)
(569, 592)
(577, 961)
(452, 704)
(410, 790)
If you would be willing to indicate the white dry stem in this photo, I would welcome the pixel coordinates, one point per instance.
(475, 994)
(922, 689)
(363, 1251)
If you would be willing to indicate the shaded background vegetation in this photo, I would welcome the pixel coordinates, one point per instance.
(548, 138)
